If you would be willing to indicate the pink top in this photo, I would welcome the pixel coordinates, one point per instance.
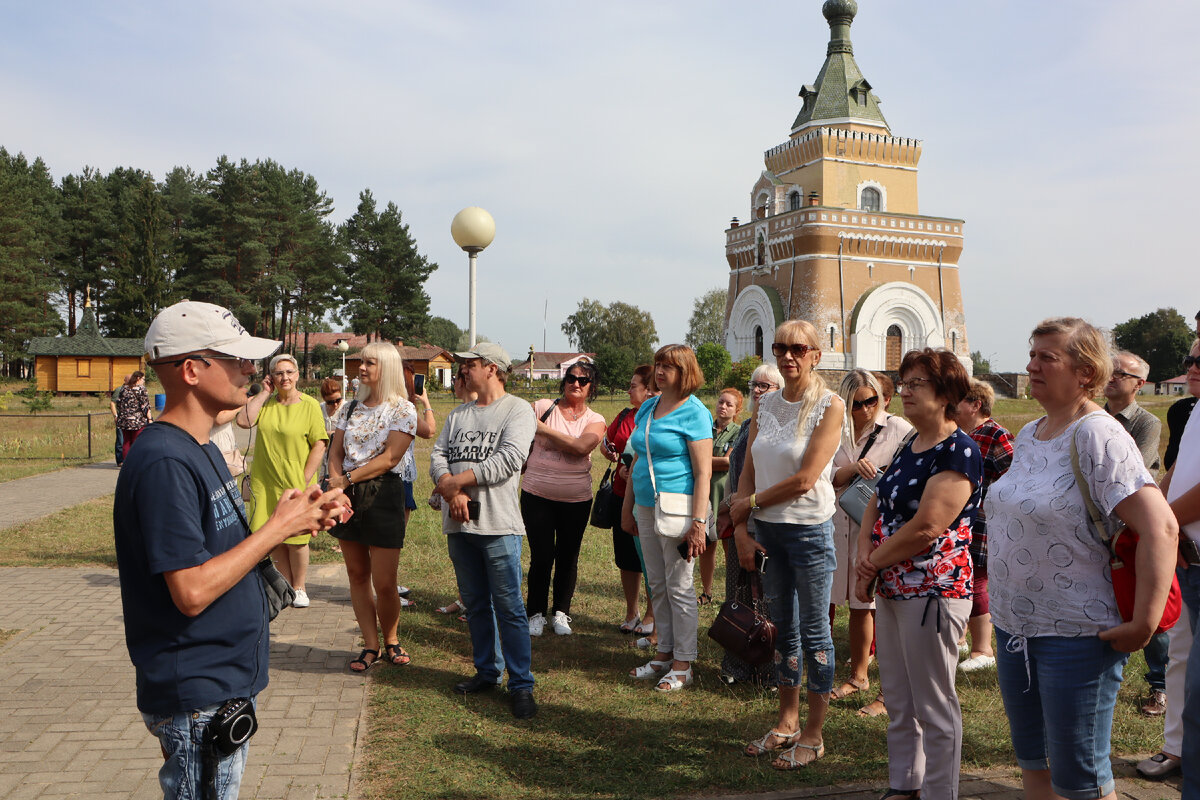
(553, 474)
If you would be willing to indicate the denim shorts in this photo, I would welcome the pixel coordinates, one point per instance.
(1059, 693)
(181, 737)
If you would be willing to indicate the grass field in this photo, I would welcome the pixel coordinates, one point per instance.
(598, 734)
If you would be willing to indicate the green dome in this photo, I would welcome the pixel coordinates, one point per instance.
(832, 9)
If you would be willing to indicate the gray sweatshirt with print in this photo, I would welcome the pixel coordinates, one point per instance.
(494, 441)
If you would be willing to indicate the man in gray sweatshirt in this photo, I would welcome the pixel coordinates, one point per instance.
(476, 467)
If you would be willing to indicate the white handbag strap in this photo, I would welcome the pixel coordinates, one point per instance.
(649, 459)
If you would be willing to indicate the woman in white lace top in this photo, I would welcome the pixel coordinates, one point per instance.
(786, 485)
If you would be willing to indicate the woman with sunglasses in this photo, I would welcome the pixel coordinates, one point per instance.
(786, 485)
(556, 495)
(867, 446)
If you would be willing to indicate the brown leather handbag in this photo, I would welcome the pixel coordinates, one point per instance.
(743, 630)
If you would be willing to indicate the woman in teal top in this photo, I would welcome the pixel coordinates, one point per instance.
(288, 452)
(724, 431)
(672, 437)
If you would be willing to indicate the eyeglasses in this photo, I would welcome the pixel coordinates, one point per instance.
(1191, 361)
(1118, 374)
(333, 401)
(797, 350)
(912, 384)
(868, 403)
(763, 385)
(242, 362)
(582, 380)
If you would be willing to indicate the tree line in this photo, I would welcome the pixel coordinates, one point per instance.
(252, 236)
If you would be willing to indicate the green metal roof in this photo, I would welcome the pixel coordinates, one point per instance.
(87, 341)
(840, 91)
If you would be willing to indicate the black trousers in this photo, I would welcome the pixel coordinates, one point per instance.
(555, 532)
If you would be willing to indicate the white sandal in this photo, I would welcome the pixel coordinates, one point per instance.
(675, 680)
(651, 669)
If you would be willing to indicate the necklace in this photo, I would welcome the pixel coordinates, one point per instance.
(1046, 433)
(575, 415)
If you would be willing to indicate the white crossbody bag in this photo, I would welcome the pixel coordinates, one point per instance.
(672, 510)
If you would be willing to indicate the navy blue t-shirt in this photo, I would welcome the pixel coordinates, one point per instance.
(174, 509)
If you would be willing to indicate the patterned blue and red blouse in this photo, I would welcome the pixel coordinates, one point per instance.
(944, 568)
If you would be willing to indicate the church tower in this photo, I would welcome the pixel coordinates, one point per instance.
(835, 235)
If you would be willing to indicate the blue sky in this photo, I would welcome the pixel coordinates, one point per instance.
(613, 142)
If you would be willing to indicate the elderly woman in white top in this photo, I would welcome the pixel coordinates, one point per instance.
(1062, 643)
(786, 485)
(868, 444)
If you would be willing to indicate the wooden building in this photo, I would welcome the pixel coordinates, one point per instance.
(85, 362)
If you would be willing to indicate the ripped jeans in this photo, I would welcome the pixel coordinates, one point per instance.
(797, 581)
(181, 737)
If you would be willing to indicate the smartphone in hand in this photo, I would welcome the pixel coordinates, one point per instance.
(682, 547)
(760, 561)
(418, 385)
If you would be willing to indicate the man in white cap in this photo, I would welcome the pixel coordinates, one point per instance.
(476, 466)
(195, 606)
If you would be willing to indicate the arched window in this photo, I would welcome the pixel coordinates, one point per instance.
(758, 341)
(794, 201)
(870, 199)
(895, 344)
(762, 252)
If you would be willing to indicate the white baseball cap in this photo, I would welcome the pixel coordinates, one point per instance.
(190, 326)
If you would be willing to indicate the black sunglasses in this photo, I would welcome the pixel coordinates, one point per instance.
(797, 350)
(582, 380)
(205, 359)
(861, 404)
(1190, 361)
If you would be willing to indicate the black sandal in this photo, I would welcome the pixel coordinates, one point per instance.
(898, 794)
(397, 656)
(705, 599)
(362, 659)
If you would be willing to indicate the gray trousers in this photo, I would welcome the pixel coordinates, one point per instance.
(916, 645)
(672, 590)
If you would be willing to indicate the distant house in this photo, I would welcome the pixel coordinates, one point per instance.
(429, 360)
(551, 365)
(1175, 386)
(85, 362)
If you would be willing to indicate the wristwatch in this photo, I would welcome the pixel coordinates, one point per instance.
(349, 480)
(701, 520)
(754, 502)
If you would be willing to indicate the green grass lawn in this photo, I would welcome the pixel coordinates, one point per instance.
(598, 734)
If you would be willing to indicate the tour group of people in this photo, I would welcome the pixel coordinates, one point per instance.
(968, 532)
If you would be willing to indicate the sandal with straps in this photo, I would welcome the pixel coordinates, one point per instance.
(787, 759)
(397, 656)
(362, 659)
(651, 669)
(762, 745)
(674, 680)
(855, 687)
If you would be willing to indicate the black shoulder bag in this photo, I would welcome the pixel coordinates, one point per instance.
(602, 510)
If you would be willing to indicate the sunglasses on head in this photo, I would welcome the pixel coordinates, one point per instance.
(582, 380)
(797, 350)
(1191, 361)
(868, 403)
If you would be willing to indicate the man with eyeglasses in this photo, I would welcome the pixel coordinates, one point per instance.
(1129, 376)
(195, 607)
(476, 467)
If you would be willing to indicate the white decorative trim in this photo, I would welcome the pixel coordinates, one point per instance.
(751, 309)
(900, 304)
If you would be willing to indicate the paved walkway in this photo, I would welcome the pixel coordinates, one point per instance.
(27, 499)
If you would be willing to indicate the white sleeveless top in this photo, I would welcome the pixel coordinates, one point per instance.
(778, 451)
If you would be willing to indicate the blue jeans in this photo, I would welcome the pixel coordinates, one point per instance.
(1156, 661)
(181, 737)
(1189, 585)
(797, 581)
(1059, 693)
(488, 571)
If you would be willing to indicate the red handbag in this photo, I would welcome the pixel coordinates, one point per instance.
(1122, 558)
(743, 630)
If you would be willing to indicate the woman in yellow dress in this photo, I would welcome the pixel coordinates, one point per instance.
(288, 452)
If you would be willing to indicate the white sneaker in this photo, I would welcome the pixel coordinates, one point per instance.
(977, 663)
(301, 600)
(964, 649)
(537, 624)
(562, 624)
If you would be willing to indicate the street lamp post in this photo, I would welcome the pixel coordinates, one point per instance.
(473, 229)
(343, 345)
(531, 367)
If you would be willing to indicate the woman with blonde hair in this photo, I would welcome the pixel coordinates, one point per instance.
(1062, 644)
(373, 432)
(871, 438)
(288, 453)
(786, 486)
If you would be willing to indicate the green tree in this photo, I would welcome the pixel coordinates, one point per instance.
(739, 374)
(443, 333)
(87, 217)
(714, 362)
(29, 226)
(979, 364)
(707, 323)
(385, 291)
(616, 366)
(620, 325)
(1162, 337)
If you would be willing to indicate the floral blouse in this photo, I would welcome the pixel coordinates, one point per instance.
(944, 568)
(367, 430)
(133, 408)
